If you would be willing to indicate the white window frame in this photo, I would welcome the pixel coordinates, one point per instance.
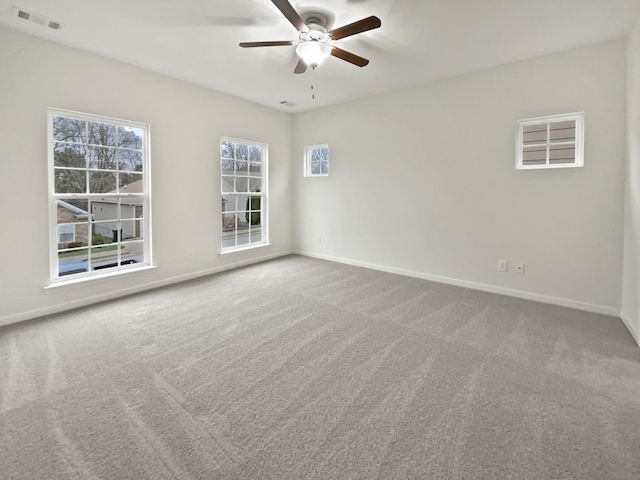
(308, 153)
(578, 117)
(146, 258)
(263, 194)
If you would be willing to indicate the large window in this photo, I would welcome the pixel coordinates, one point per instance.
(99, 195)
(556, 141)
(243, 170)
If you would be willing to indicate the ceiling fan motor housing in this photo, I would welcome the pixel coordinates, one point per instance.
(314, 35)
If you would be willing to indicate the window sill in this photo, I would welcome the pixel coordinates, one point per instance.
(78, 282)
(548, 167)
(244, 249)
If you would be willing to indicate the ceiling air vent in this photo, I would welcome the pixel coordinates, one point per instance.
(35, 18)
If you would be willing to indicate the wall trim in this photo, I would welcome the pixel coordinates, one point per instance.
(40, 312)
(588, 307)
(632, 331)
(61, 307)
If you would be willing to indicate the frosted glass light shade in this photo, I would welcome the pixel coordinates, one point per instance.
(313, 53)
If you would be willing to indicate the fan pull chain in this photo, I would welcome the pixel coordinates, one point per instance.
(313, 77)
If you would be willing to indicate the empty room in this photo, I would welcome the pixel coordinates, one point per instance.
(301, 239)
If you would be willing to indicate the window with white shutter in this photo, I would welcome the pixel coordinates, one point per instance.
(555, 141)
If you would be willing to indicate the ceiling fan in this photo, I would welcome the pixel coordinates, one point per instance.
(315, 41)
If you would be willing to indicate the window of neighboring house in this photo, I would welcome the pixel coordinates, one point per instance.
(556, 141)
(316, 161)
(243, 171)
(66, 233)
(99, 195)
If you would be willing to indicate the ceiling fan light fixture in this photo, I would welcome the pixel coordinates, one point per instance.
(313, 52)
(315, 41)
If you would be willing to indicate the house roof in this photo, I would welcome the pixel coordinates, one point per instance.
(135, 187)
(418, 42)
(73, 208)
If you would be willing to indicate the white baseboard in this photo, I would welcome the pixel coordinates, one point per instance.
(629, 326)
(588, 307)
(22, 316)
(82, 302)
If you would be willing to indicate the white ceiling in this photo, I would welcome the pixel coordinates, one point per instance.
(419, 41)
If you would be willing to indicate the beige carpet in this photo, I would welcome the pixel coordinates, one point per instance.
(303, 369)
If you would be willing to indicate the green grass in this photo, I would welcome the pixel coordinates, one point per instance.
(241, 231)
(76, 253)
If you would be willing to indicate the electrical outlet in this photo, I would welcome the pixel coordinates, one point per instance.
(190, 254)
(520, 268)
(503, 265)
(318, 239)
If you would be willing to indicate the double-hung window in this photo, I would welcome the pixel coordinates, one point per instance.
(99, 195)
(243, 171)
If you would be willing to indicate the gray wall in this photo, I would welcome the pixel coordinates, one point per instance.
(422, 181)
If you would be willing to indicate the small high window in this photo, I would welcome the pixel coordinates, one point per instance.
(316, 161)
(556, 141)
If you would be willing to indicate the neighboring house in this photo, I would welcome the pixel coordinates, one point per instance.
(72, 225)
(73, 222)
(105, 215)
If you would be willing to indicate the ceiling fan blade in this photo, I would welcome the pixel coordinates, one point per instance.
(360, 26)
(349, 57)
(288, 11)
(301, 67)
(265, 44)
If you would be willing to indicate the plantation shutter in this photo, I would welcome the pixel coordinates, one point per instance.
(550, 142)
